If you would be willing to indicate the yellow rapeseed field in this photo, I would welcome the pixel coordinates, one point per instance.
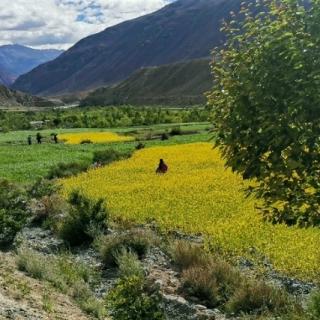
(198, 195)
(94, 137)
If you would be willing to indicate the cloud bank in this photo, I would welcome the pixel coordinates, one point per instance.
(61, 23)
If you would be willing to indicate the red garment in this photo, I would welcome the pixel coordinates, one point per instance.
(163, 168)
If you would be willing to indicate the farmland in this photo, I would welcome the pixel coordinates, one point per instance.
(199, 195)
(22, 163)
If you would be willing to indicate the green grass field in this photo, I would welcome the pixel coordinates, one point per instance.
(22, 163)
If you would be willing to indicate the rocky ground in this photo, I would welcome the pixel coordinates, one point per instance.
(22, 297)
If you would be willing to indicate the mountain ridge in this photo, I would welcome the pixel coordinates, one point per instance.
(182, 83)
(115, 53)
(16, 60)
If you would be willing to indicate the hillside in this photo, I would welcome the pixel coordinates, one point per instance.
(181, 31)
(16, 60)
(176, 84)
(12, 99)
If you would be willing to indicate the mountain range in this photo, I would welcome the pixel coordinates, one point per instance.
(182, 31)
(177, 84)
(16, 60)
(14, 99)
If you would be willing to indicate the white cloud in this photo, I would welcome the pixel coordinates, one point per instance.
(61, 23)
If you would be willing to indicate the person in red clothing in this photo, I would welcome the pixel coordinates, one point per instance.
(162, 168)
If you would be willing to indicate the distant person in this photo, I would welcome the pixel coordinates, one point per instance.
(29, 140)
(55, 138)
(162, 168)
(39, 138)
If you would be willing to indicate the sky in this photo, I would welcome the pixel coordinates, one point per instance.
(61, 23)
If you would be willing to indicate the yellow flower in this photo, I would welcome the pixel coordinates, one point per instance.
(94, 137)
(198, 195)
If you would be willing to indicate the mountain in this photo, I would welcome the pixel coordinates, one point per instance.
(176, 84)
(16, 60)
(181, 31)
(13, 99)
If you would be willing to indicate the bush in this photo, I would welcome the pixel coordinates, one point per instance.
(134, 299)
(198, 282)
(85, 220)
(314, 305)
(129, 264)
(164, 136)
(213, 282)
(186, 255)
(64, 170)
(257, 297)
(136, 241)
(140, 146)
(42, 187)
(48, 210)
(176, 131)
(110, 155)
(14, 211)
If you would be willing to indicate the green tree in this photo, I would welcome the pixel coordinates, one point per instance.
(266, 102)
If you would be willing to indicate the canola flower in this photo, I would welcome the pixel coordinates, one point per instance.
(198, 195)
(94, 137)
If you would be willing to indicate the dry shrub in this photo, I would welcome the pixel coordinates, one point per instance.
(257, 297)
(186, 255)
(137, 241)
(213, 282)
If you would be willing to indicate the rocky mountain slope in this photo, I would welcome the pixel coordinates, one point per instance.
(181, 31)
(182, 83)
(16, 60)
(12, 98)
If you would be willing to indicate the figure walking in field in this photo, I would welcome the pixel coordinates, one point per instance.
(162, 168)
(55, 138)
(39, 138)
(29, 140)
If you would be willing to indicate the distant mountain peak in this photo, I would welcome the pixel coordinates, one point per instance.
(16, 59)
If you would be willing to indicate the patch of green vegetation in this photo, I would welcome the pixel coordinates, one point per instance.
(13, 211)
(62, 272)
(22, 163)
(85, 220)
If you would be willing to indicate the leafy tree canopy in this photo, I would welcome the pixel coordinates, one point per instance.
(266, 102)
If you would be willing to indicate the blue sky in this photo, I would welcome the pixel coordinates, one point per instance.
(61, 23)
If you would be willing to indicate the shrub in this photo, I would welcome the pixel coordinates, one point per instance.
(198, 282)
(85, 220)
(49, 210)
(110, 155)
(257, 297)
(64, 170)
(134, 299)
(34, 264)
(213, 282)
(14, 211)
(186, 255)
(129, 264)
(314, 305)
(176, 131)
(136, 241)
(164, 136)
(42, 187)
(140, 146)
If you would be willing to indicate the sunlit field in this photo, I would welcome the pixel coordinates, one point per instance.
(94, 137)
(198, 195)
